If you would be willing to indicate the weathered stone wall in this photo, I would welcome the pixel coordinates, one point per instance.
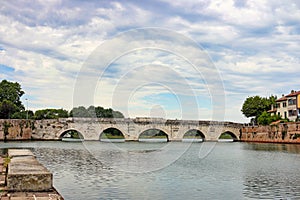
(281, 133)
(15, 129)
(48, 129)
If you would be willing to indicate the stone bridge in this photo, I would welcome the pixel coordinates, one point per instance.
(92, 128)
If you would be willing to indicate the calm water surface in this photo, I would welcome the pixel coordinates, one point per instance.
(99, 170)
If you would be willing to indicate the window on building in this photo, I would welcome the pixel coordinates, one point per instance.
(292, 113)
(284, 104)
(285, 115)
(279, 114)
(292, 102)
(278, 105)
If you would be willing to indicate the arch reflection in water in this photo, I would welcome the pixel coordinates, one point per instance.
(111, 135)
(153, 135)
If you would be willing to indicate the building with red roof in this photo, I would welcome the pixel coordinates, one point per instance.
(288, 106)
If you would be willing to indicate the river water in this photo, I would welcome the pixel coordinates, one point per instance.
(141, 170)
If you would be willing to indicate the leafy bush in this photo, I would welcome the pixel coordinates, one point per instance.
(265, 118)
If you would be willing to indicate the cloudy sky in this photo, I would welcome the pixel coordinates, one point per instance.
(170, 58)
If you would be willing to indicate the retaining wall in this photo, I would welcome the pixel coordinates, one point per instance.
(279, 133)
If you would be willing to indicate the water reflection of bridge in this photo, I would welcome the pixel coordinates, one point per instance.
(132, 129)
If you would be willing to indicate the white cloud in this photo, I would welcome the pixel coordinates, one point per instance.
(252, 13)
(254, 44)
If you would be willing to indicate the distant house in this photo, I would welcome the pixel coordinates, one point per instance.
(288, 106)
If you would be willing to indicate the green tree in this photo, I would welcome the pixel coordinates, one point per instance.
(79, 112)
(117, 114)
(51, 113)
(93, 111)
(7, 108)
(10, 94)
(99, 112)
(265, 118)
(108, 113)
(256, 105)
(272, 101)
(23, 114)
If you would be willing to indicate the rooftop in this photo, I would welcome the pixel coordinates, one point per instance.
(292, 94)
(282, 99)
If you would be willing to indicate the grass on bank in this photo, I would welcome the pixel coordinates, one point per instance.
(226, 136)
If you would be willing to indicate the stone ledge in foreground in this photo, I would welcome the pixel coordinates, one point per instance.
(25, 173)
(19, 152)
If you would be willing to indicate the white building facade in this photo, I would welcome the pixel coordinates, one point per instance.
(288, 107)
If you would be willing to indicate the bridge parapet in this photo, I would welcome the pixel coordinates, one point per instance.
(148, 120)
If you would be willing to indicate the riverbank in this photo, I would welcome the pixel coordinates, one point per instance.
(23, 177)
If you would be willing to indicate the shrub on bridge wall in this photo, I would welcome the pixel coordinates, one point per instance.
(6, 127)
(295, 136)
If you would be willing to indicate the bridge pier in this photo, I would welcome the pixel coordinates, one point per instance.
(174, 140)
(131, 138)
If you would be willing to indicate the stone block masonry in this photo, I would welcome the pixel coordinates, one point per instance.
(25, 173)
(15, 129)
(277, 133)
(26, 178)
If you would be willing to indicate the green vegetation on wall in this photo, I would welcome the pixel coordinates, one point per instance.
(5, 129)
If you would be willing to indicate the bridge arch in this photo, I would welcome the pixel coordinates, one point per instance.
(193, 134)
(71, 133)
(234, 136)
(156, 132)
(111, 132)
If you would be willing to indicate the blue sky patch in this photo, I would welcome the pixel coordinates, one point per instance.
(6, 69)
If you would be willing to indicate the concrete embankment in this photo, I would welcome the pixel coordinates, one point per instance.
(276, 133)
(25, 178)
